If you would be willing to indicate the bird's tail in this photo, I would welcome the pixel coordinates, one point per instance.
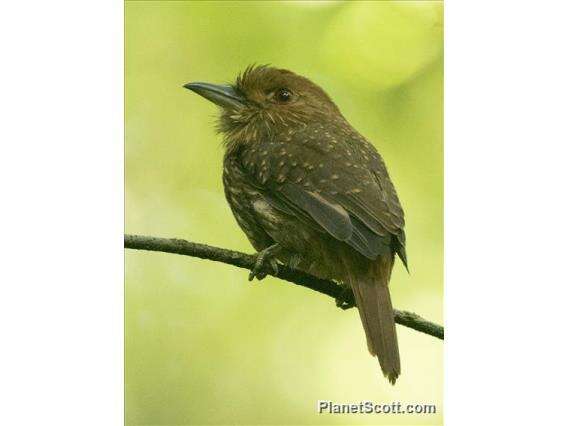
(375, 308)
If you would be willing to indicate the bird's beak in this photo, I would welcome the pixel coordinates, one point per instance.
(222, 95)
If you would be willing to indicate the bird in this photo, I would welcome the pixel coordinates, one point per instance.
(309, 191)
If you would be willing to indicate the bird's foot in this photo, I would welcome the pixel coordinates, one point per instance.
(295, 260)
(345, 298)
(265, 259)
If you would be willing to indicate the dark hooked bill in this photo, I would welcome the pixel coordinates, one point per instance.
(222, 95)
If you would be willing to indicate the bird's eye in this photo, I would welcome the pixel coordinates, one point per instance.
(283, 95)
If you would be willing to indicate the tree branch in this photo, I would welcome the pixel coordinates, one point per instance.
(247, 261)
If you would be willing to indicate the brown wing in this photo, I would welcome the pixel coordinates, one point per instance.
(332, 176)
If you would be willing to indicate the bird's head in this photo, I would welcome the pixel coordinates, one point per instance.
(265, 100)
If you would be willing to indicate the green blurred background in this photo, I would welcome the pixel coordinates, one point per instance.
(203, 346)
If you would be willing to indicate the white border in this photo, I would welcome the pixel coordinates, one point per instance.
(61, 307)
(505, 136)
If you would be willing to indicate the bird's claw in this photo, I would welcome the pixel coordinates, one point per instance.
(345, 300)
(260, 269)
(295, 261)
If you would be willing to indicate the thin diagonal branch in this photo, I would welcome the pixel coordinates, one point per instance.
(247, 261)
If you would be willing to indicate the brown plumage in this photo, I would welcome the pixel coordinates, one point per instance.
(310, 191)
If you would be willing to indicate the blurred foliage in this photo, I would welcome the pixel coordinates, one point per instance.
(203, 346)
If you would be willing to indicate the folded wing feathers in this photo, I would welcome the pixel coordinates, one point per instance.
(339, 222)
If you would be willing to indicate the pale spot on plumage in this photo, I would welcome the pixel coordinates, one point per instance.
(334, 177)
(264, 209)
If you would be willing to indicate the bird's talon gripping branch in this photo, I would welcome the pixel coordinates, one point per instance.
(265, 259)
(345, 299)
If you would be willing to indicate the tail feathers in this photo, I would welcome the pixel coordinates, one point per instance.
(375, 308)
